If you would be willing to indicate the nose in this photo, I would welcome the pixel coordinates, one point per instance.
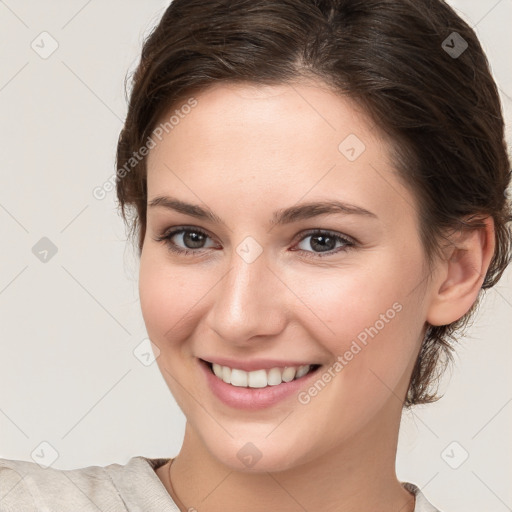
(249, 301)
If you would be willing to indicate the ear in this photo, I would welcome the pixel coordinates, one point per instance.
(460, 275)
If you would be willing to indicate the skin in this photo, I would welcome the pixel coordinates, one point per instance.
(245, 151)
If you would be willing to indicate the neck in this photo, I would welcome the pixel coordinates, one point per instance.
(356, 475)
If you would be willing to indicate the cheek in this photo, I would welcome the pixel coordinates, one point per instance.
(370, 322)
(163, 297)
(348, 302)
(172, 298)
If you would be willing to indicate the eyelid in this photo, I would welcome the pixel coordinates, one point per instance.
(350, 242)
(302, 234)
(168, 233)
(320, 231)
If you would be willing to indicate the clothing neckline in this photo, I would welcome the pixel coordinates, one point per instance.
(152, 494)
(156, 463)
(161, 497)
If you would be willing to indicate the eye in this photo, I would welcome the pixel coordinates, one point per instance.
(194, 241)
(325, 242)
(192, 238)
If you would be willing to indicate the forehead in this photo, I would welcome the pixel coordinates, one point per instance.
(276, 144)
(286, 118)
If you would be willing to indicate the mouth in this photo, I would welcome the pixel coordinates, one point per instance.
(259, 378)
(259, 389)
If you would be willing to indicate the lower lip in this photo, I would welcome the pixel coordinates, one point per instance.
(253, 398)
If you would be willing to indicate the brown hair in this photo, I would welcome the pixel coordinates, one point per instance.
(399, 59)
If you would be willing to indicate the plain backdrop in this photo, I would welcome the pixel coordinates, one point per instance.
(73, 383)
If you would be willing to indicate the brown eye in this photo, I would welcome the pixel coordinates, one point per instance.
(324, 242)
(193, 240)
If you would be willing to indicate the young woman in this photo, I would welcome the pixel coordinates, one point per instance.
(317, 189)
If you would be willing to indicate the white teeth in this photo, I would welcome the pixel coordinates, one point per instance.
(289, 374)
(256, 379)
(274, 377)
(238, 378)
(259, 378)
(301, 372)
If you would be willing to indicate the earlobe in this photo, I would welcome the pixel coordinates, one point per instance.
(461, 274)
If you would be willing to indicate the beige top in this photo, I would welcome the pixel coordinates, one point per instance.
(132, 487)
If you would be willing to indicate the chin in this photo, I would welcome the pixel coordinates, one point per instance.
(258, 456)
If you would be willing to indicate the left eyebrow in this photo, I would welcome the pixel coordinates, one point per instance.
(280, 217)
(309, 210)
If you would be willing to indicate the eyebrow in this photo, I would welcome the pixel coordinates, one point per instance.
(280, 217)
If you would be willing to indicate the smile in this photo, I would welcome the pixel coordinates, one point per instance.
(260, 378)
(257, 389)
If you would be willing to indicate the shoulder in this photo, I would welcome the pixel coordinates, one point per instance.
(422, 504)
(28, 486)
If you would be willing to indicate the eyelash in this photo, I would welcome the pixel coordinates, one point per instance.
(166, 238)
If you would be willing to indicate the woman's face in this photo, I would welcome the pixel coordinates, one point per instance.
(254, 288)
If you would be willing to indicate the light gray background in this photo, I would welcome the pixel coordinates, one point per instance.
(68, 374)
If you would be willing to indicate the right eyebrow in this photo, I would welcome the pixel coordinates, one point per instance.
(186, 208)
(280, 217)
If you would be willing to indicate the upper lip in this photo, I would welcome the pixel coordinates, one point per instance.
(254, 364)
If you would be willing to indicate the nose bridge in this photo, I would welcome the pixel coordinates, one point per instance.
(246, 303)
(246, 283)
